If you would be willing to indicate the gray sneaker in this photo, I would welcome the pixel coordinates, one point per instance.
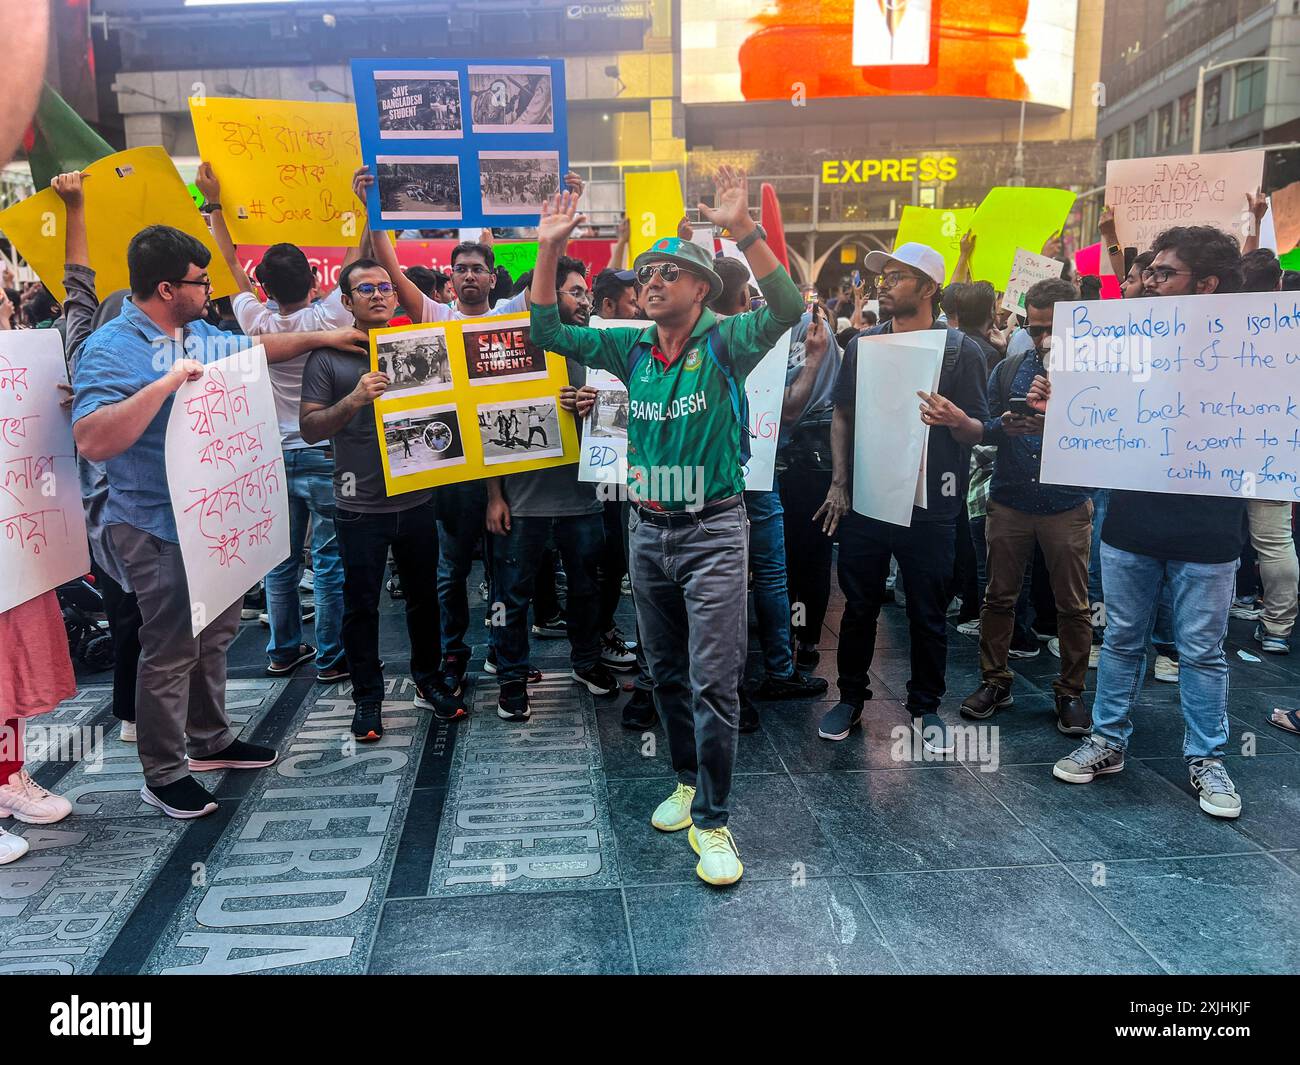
(934, 732)
(1214, 788)
(1091, 759)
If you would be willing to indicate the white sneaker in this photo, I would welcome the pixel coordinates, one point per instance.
(1054, 645)
(1166, 669)
(22, 798)
(127, 732)
(1094, 655)
(11, 847)
(970, 628)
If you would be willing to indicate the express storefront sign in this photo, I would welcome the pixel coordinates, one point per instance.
(906, 169)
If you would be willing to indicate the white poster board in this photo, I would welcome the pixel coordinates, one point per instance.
(1191, 395)
(889, 438)
(1027, 269)
(42, 526)
(1150, 195)
(603, 454)
(225, 471)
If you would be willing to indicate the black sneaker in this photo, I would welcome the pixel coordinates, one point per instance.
(1073, 717)
(839, 721)
(598, 679)
(806, 659)
(552, 628)
(934, 732)
(445, 707)
(490, 666)
(748, 713)
(368, 722)
(453, 675)
(615, 651)
(985, 700)
(182, 799)
(639, 712)
(1028, 649)
(238, 755)
(512, 704)
(795, 686)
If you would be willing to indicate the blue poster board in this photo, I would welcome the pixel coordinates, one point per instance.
(461, 143)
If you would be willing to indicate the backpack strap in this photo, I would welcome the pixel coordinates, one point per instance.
(716, 347)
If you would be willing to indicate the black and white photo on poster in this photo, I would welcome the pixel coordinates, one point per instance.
(418, 187)
(511, 99)
(514, 182)
(608, 415)
(415, 361)
(423, 439)
(520, 429)
(418, 104)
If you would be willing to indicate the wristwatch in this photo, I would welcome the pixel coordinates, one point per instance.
(1113, 249)
(208, 208)
(758, 233)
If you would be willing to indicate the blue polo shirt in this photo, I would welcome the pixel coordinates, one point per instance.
(117, 360)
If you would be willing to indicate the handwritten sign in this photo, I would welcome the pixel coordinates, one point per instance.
(1192, 395)
(941, 230)
(603, 457)
(42, 528)
(1026, 271)
(889, 438)
(285, 168)
(1150, 195)
(226, 475)
(765, 388)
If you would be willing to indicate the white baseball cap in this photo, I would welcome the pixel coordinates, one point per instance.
(920, 257)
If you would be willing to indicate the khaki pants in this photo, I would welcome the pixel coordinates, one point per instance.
(1279, 572)
(180, 698)
(1066, 539)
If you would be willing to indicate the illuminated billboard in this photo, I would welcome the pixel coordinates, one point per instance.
(735, 50)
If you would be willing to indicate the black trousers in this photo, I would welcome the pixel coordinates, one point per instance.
(612, 564)
(807, 550)
(124, 628)
(925, 555)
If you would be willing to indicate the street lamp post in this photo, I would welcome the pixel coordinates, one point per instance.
(1207, 68)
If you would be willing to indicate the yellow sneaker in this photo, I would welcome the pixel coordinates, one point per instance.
(674, 813)
(719, 862)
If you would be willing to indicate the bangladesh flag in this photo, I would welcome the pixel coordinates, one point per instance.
(59, 140)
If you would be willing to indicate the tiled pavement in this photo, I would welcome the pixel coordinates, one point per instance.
(489, 847)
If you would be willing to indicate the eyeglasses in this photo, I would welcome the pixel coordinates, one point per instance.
(369, 288)
(582, 295)
(892, 278)
(1161, 274)
(478, 268)
(670, 272)
(206, 282)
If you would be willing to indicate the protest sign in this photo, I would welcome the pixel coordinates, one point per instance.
(468, 399)
(1150, 195)
(518, 257)
(226, 475)
(1027, 269)
(124, 193)
(1193, 395)
(44, 531)
(765, 389)
(1285, 204)
(285, 168)
(603, 457)
(941, 229)
(1011, 218)
(1088, 261)
(461, 142)
(889, 438)
(654, 207)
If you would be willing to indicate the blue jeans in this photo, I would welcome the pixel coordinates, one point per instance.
(460, 524)
(1201, 594)
(580, 540)
(771, 595)
(309, 480)
(1163, 633)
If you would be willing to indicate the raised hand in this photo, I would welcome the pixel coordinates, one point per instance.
(1106, 226)
(208, 183)
(362, 179)
(559, 218)
(684, 228)
(730, 208)
(68, 188)
(574, 183)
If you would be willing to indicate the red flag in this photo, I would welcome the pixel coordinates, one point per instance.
(770, 216)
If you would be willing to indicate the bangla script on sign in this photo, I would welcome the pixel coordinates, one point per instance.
(1195, 395)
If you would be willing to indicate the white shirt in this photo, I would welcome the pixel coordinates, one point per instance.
(286, 377)
(433, 311)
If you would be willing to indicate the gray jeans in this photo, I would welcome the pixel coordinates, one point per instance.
(180, 700)
(688, 584)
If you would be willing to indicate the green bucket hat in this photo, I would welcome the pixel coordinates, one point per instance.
(690, 257)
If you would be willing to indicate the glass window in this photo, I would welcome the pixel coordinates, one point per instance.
(1186, 105)
(1165, 127)
(1122, 150)
(1248, 94)
(1140, 146)
(1213, 95)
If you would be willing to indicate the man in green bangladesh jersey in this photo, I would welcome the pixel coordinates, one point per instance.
(686, 444)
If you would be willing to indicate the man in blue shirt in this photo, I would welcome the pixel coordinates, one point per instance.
(1022, 512)
(126, 376)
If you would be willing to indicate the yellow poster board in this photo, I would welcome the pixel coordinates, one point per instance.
(940, 228)
(285, 168)
(468, 400)
(1010, 218)
(654, 207)
(124, 193)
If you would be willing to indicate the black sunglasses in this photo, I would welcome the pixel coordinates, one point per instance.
(668, 271)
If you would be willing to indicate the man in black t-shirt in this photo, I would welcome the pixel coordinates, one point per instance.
(1190, 542)
(910, 281)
